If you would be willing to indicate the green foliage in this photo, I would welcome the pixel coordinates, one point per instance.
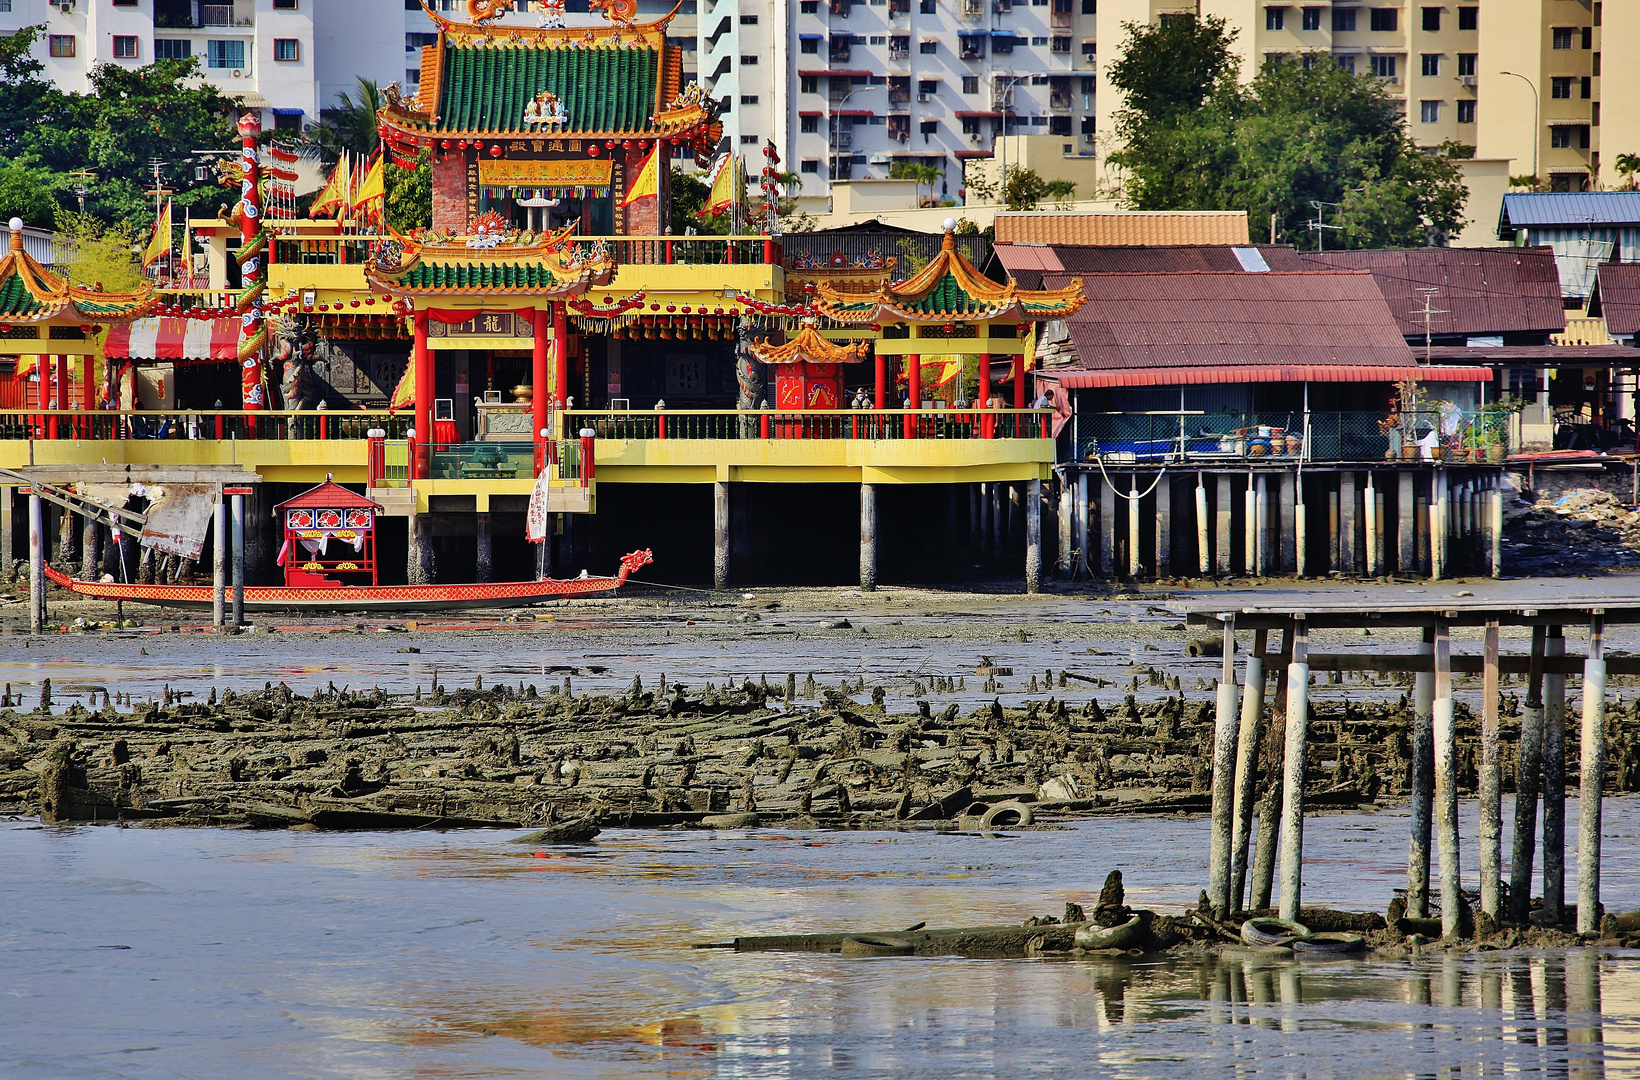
(100, 253)
(350, 125)
(689, 194)
(130, 116)
(1290, 138)
(27, 193)
(1627, 166)
(922, 174)
(409, 202)
(1060, 191)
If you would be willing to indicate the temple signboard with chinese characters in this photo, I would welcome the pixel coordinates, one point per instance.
(485, 330)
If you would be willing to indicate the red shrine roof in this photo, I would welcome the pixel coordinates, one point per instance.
(329, 496)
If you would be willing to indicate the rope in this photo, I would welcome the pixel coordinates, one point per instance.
(1129, 495)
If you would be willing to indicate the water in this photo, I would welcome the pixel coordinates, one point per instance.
(228, 954)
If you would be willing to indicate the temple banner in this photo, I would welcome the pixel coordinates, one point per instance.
(594, 172)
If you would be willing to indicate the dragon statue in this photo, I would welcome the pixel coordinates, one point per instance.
(484, 12)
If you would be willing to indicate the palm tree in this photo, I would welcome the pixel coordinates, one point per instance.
(349, 125)
(1627, 165)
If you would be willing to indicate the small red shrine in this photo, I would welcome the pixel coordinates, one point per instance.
(809, 368)
(330, 538)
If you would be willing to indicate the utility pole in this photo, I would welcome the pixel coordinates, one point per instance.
(1319, 227)
(1429, 313)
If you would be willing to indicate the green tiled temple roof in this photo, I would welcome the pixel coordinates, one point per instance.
(485, 88)
(16, 300)
(477, 275)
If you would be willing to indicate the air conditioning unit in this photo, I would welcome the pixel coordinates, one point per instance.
(973, 136)
(922, 97)
(64, 6)
(238, 74)
(1392, 80)
(1467, 80)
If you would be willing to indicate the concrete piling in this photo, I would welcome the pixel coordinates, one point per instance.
(1370, 509)
(1262, 514)
(1554, 783)
(36, 565)
(219, 563)
(1067, 526)
(1249, 546)
(1033, 536)
(1107, 528)
(1592, 761)
(1406, 522)
(721, 533)
(1347, 523)
(1224, 755)
(1446, 784)
(483, 549)
(1084, 521)
(1301, 530)
(868, 536)
(1423, 784)
(1528, 767)
(1283, 539)
(1292, 805)
(1248, 739)
(1221, 527)
(89, 554)
(239, 560)
(1204, 553)
(1491, 780)
(1164, 526)
(1134, 563)
(1496, 502)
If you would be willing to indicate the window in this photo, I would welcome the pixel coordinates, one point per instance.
(970, 84)
(287, 48)
(748, 140)
(1343, 20)
(879, 39)
(748, 20)
(928, 7)
(1586, 38)
(1466, 65)
(1561, 37)
(125, 46)
(1059, 125)
(928, 48)
(1307, 61)
(1560, 86)
(1039, 80)
(62, 45)
(172, 48)
(748, 99)
(1583, 137)
(929, 127)
(809, 45)
(1469, 18)
(1429, 65)
(1584, 86)
(970, 125)
(748, 59)
(1090, 7)
(125, 3)
(1385, 19)
(1466, 112)
(1596, 65)
(1429, 112)
(928, 86)
(1383, 66)
(808, 124)
(810, 165)
(808, 84)
(415, 42)
(1347, 62)
(1039, 41)
(1560, 137)
(1060, 45)
(225, 54)
(284, 5)
(809, 7)
(1275, 18)
(1312, 18)
(5, 5)
(1039, 121)
(287, 119)
(1432, 19)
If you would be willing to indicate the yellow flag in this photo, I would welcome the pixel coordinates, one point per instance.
(335, 192)
(647, 183)
(159, 245)
(371, 188)
(942, 372)
(404, 394)
(723, 194)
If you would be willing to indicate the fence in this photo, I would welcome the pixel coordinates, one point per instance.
(267, 424)
(811, 424)
(1164, 437)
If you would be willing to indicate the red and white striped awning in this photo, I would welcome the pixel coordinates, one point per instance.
(169, 338)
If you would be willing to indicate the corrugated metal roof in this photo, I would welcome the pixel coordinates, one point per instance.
(1547, 355)
(1027, 262)
(1571, 208)
(1248, 373)
(1223, 319)
(1123, 227)
(1480, 290)
(1617, 288)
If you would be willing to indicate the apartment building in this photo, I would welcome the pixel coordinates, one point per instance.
(846, 88)
(1517, 80)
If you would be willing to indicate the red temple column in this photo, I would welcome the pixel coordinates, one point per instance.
(881, 400)
(422, 358)
(560, 355)
(539, 375)
(1019, 380)
(913, 372)
(60, 393)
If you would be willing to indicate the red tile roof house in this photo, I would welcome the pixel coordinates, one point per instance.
(1245, 381)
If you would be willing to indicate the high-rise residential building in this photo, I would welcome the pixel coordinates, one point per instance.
(1517, 80)
(846, 88)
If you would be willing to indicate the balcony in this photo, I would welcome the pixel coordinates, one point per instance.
(895, 53)
(840, 50)
(1177, 437)
(214, 15)
(1059, 99)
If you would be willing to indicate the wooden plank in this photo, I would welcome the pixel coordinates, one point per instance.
(1461, 665)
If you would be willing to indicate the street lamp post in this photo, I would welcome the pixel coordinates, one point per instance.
(832, 127)
(1536, 133)
(1007, 106)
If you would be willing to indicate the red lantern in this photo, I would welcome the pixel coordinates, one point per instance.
(686, 309)
(671, 308)
(354, 304)
(478, 144)
(324, 307)
(370, 300)
(592, 150)
(462, 145)
(445, 145)
(495, 151)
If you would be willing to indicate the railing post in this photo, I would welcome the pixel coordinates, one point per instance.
(669, 251)
(763, 426)
(588, 459)
(376, 456)
(768, 251)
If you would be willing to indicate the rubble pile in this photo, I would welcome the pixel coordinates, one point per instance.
(1582, 530)
(673, 755)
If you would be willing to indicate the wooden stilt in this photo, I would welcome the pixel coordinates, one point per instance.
(1406, 522)
(1033, 536)
(1491, 781)
(1423, 784)
(1224, 756)
(1554, 784)
(1292, 805)
(1248, 739)
(1269, 808)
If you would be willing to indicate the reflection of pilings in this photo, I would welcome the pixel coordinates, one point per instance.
(1292, 806)
(1583, 1002)
(1261, 991)
(1554, 784)
(1593, 762)
(1491, 779)
(1446, 783)
(1292, 996)
(1528, 766)
(1554, 1012)
(1525, 1005)
(1224, 757)
(1423, 784)
(1248, 738)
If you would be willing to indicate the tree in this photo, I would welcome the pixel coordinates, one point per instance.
(28, 193)
(689, 194)
(409, 201)
(100, 253)
(1292, 137)
(922, 174)
(350, 125)
(1627, 166)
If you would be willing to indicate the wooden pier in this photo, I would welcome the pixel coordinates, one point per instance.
(1548, 609)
